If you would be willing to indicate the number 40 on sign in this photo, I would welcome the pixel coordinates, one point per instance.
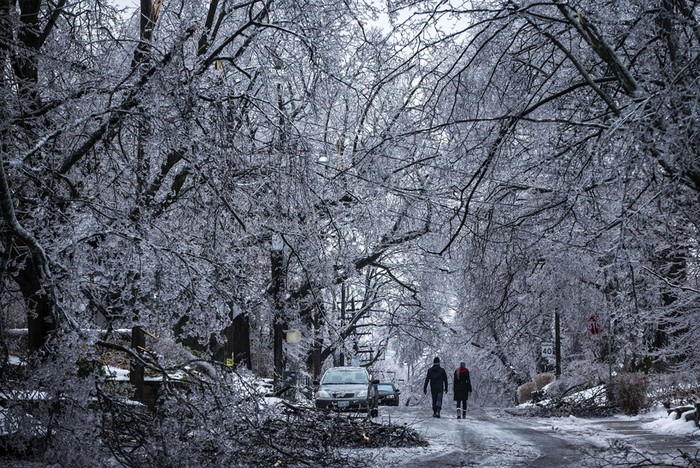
(547, 350)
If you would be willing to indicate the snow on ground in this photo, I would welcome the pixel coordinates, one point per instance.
(656, 420)
(491, 438)
(664, 423)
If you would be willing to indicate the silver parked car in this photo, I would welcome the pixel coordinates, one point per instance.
(347, 389)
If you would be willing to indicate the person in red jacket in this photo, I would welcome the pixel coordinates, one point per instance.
(437, 377)
(462, 388)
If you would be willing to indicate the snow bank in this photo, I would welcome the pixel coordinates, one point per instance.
(667, 424)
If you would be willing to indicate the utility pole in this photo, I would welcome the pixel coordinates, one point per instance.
(557, 345)
(610, 347)
(341, 357)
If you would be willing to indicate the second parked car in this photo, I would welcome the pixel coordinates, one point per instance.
(388, 394)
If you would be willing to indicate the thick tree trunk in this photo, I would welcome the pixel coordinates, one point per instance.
(314, 357)
(136, 369)
(236, 343)
(33, 275)
(25, 65)
(241, 340)
(279, 323)
(40, 320)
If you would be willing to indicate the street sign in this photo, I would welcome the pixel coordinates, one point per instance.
(547, 350)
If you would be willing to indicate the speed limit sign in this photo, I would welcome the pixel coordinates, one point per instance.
(547, 350)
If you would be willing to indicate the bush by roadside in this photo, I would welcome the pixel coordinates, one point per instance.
(525, 392)
(628, 392)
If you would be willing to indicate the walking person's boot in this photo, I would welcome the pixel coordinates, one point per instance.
(459, 412)
(464, 414)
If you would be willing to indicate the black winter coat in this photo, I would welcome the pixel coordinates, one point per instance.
(437, 378)
(462, 385)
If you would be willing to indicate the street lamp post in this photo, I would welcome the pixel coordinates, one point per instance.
(289, 376)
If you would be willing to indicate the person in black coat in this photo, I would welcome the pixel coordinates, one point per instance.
(462, 389)
(438, 381)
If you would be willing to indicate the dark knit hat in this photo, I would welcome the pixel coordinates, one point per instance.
(436, 360)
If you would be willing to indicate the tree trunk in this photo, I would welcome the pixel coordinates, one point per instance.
(32, 277)
(136, 370)
(40, 320)
(278, 320)
(237, 342)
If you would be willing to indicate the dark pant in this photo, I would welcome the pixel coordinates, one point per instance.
(437, 401)
(463, 405)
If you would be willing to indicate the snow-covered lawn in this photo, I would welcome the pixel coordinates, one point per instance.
(664, 423)
(657, 421)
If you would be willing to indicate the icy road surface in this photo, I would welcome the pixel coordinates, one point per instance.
(493, 438)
